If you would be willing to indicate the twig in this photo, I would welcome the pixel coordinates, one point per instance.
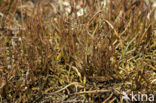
(112, 101)
(105, 101)
(74, 83)
(92, 92)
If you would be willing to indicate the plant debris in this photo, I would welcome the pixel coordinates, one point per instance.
(76, 51)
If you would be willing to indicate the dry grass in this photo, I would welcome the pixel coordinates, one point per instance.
(50, 55)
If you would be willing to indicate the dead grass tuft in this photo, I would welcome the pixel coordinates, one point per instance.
(85, 51)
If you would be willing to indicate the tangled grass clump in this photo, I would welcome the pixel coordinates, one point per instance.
(50, 55)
